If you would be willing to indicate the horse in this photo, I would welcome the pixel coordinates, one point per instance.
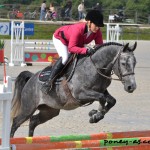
(89, 82)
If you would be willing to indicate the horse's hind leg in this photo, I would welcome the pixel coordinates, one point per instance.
(45, 113)
(18, 120)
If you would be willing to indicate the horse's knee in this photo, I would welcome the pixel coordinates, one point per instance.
(110, 102)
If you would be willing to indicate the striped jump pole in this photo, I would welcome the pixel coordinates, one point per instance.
(122, 142)
(39, 48)
(39, 43)
(99, 136)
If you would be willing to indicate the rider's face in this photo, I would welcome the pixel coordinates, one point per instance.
(92, 27)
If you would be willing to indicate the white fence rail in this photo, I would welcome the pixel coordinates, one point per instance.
(5, 107)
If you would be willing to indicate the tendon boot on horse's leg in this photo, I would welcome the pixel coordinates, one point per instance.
(47, 86)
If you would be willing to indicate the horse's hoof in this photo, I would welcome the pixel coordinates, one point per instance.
(92, 112)
(91, 120)
(96, 118)
(99, 116)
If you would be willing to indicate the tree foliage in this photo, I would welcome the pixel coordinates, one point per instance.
(143, 5)
(132, 6)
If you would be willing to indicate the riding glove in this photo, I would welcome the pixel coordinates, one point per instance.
(90, 51)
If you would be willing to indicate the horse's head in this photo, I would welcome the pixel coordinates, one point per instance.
(124, 67)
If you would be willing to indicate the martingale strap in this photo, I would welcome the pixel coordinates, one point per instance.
(72, 103)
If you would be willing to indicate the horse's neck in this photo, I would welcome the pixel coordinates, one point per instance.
(105, 56)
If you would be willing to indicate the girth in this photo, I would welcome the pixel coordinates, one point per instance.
(72, 103)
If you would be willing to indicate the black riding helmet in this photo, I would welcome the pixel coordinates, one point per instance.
(95, 17)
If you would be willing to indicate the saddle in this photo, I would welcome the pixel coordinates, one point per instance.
(67, 71)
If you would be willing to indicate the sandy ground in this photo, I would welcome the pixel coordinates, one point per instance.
(131, 112)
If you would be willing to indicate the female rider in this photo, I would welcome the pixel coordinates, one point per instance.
(72, 39)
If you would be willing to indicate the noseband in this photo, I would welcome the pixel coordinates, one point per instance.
(117, 57)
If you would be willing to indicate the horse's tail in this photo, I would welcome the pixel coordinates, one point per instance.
(20, 82)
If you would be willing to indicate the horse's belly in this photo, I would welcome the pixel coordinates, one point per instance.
(71, 104)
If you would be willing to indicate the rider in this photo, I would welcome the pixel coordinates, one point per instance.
(72, 39)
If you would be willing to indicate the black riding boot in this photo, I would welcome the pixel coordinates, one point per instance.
(55, 70)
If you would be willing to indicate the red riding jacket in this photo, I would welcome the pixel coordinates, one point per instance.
(74, 36)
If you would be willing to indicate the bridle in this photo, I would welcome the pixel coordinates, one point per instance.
(117, 57)
(121, 75)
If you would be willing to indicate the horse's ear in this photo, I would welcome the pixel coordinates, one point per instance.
(133, 47)
(125, 47)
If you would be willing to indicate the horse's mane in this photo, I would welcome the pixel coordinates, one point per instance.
(107, 44)
(98, 48)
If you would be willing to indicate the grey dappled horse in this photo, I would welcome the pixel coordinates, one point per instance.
(89, 83)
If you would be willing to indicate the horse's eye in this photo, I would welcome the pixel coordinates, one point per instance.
(123, 64)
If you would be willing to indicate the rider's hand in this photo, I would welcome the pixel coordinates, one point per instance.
(90, 51)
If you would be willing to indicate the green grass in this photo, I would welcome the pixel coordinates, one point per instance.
(45, 32)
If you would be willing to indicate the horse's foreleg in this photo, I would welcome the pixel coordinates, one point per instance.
(46, 113)
(105, 105)
(110, 102)
(97, 115)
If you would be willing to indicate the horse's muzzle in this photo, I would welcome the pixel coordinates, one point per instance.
(130, 88)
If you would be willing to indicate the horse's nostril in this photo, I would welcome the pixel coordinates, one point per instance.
(130, 89)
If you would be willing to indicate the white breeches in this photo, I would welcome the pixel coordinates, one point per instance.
(61, 49)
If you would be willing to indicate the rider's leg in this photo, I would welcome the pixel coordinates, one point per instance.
(55, 70)
(63, 54)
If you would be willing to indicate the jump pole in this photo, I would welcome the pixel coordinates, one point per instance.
(98, 136)
(38, 43)
(121, 142)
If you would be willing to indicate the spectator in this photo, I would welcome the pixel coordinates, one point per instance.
(47, 14)
(67, 8)
(50, 12)
(81, 10)
(52, 8)
(43, 10)
(98, 7)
